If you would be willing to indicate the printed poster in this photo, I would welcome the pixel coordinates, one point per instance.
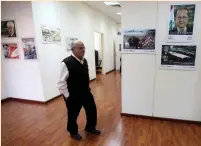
(8, 29)
(29, 48)
(50, 35)
(139, 41)
(11, 50)
(181, 23)
(178, 57)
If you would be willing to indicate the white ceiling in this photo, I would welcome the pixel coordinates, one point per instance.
(110, 11)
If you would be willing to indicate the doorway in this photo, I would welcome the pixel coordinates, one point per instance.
(98, 49)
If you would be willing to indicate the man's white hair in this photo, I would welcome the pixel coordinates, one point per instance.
(74, 43)
(10, 23)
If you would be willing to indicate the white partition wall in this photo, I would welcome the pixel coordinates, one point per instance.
(138, 70)
(177, 91)
(149, 90)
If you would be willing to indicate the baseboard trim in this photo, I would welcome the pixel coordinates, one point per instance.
(29, 101)
(110, 71)
(33, 101)
(22, 100)
(5, 99)
(92, 80)
(166, 119)
(52, 99)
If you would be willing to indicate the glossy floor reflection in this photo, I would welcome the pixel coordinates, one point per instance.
(26, 124)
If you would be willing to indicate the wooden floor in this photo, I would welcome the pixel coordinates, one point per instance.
(26, 124)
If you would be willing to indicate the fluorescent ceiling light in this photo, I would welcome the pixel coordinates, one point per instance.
(119, 13)
(111, 3)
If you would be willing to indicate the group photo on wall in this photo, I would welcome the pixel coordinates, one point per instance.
(181, 23)
(139, 41)
(178, 56)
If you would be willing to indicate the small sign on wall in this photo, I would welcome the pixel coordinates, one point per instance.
(69, 41)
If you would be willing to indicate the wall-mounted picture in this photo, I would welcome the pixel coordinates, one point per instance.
(181, 22)
(8, 29)
(139, 41)
(178, 57)
(50, 35)
(69, 41)
(10, 50)
(29, 48)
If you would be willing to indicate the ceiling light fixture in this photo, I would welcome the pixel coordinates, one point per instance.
(119, 13)
(111, 3)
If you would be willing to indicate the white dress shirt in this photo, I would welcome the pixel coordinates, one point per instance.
(64, 74)
(181, 31)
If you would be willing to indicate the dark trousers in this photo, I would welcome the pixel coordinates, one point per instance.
(74, 105)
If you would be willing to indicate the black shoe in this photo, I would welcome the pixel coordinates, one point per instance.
(76, 136)
(96, 132)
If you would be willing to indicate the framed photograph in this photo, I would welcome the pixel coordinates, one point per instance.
(29, 48)
(8, 29)
(10, 50)
(69, 41)
(181, 23)
(178, 57)
(50, 35)
(139, 41)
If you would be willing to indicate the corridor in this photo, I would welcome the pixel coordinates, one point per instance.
(32, 124)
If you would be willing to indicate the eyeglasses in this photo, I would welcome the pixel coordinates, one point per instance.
(184, 17)
(81, 48)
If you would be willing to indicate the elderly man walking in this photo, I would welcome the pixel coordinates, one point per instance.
(74, 85)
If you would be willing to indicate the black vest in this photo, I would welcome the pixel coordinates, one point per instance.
(78, 80)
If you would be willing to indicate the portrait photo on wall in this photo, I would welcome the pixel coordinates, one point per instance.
(181, 23)
(29, 48)
(10, 50)
(178, 56)
(69, 41)
(50, 35)
(8, 29)
(139, 41)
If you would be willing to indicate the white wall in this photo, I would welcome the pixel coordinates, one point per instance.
(74, 19)
(21, 79)
(97, 44)
(117, 42)
(118, 53)
(147, 90)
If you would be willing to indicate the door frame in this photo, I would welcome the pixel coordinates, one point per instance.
(102, 51)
